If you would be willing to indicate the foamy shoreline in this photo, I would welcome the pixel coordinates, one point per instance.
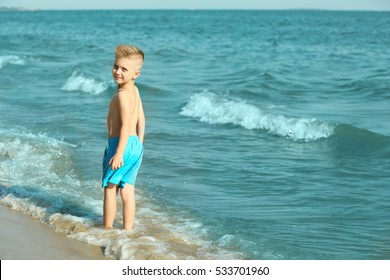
(23, 238)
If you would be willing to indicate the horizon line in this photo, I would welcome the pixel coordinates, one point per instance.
(23, 9)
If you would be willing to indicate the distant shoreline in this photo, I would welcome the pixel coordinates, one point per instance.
(11, 9)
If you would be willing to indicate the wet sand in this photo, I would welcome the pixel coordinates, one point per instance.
(24, 238)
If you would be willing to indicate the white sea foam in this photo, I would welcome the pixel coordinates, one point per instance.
(36, 158)
(212, 108)
(156, 235)
(11, 59)
(78, 82)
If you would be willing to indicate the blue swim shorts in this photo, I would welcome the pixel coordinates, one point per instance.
(132, 159)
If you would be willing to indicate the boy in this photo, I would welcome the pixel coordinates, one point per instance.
(126, 126)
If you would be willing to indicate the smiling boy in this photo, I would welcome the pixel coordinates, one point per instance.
(126, 127)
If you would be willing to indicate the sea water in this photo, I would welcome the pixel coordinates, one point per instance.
(267, 133)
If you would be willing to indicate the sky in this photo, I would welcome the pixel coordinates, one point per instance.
(376, 5)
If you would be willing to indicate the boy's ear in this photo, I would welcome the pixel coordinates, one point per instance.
(136, 74)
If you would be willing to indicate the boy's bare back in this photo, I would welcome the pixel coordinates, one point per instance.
(130, 101)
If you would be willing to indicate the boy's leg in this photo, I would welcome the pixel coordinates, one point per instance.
(128, 201)
(109, 209)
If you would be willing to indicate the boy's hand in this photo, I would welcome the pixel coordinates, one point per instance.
(116, 162)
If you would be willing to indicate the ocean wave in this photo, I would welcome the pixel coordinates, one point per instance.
(357, 142)
(78, 82)
(36, 158)
(11, 59)
(212, 108)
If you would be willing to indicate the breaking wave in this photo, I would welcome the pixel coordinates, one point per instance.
(10, 59)
(212, 108)
(78, 82)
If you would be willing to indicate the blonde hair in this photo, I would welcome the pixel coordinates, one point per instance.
(130, 51)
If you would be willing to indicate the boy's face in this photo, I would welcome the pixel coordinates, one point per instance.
(124, 70)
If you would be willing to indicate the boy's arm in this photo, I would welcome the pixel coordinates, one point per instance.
(141, 122)
(124, 112)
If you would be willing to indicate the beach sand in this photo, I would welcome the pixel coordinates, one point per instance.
(23, 238)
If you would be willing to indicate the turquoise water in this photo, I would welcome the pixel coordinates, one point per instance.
(267, 131)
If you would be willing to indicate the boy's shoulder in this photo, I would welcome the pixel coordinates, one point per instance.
(133, 90)
(125, 94)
